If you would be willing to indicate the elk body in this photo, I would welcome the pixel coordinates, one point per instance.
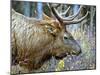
(34, 41)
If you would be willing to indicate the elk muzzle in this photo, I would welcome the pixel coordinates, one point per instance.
(74, 48)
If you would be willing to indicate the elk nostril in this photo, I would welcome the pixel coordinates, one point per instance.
(80, 51)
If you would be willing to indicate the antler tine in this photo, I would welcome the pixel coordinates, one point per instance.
(75, 21)
(65, 12)
(55, 12)
(56, 5)
(69, 18)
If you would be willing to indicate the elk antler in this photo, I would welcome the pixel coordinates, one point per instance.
(67, 20)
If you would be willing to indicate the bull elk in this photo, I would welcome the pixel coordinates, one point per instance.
(35, 41)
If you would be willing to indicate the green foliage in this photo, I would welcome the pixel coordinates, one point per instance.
(60, 65)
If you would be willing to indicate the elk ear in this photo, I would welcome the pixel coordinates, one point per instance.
(51, 30)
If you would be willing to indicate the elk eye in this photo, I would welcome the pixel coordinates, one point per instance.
(65, 38)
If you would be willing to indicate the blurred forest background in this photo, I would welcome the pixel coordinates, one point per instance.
(84, 33)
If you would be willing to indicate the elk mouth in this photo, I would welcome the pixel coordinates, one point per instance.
(62, 55)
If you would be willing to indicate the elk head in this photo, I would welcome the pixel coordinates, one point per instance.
(64, 43)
